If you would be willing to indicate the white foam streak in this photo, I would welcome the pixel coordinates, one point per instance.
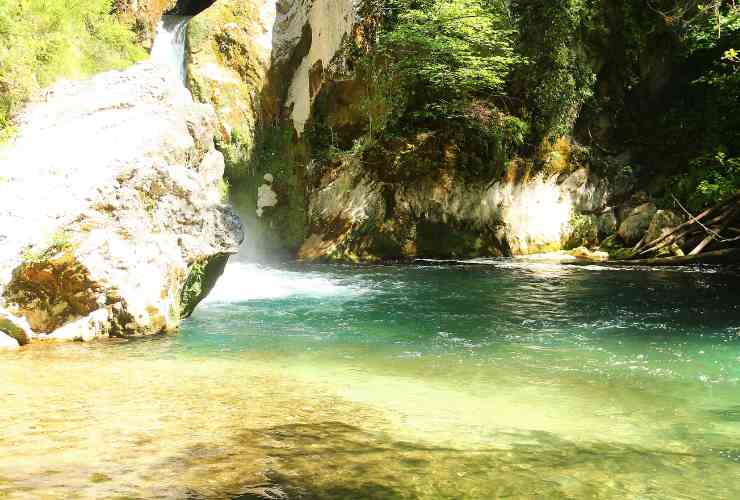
(247, 281)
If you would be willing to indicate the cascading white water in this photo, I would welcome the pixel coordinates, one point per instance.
(244, 281)
(169, 45)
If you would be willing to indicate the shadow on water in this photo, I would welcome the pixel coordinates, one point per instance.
(332, 460)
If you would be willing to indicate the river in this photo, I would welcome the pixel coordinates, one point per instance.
(499, 379)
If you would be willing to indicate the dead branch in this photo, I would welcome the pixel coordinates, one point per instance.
(714, 234)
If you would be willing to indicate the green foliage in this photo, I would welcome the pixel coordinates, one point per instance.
(709, 23)
(447, 51)
(43, 40)
(459, 47)
(224, 187)
(709, 180)
(386, 96)
(559, 78)
(701, 125)
(435, 78)
(237, 153)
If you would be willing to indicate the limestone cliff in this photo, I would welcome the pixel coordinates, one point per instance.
(344, 209)
(298, 116)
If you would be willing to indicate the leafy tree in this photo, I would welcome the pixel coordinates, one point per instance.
(709, 106)
(461, 47)
(447, 51)
(559, 78)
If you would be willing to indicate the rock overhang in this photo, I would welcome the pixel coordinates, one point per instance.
(190, 7)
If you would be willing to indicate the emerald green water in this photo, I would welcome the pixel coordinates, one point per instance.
(508, 379)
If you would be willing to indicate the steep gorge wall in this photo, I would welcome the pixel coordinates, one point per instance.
(261, 63)
(280, 82)
(294, 203)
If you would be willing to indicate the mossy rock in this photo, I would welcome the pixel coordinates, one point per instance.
(202, 277)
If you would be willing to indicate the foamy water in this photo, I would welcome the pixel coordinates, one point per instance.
(168, 49)
(247, 281)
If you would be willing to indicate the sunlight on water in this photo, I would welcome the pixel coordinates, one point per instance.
(420, 382)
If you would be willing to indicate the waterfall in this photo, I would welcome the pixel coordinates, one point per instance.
(169, 45)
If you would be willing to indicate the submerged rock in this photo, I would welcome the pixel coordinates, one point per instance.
(586, 254)
(110, 199)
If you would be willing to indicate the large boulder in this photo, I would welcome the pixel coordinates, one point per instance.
(110, 203)
(625, 209)
(634, 226)
(662, 223)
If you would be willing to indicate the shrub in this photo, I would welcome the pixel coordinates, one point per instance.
(43, 40)
(709, 180)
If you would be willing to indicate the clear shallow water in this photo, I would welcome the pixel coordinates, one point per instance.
(502, 379)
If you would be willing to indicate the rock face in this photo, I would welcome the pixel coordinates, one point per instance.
(109, 205)
(145, 14)
(355, 217)
(279, 71)
(229, 48)
(633, 228)
(283, 62)
(308, 37)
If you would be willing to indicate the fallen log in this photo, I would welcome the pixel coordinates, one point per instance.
(714, 234)
(727, 210)
(686, 224)
(725, 256)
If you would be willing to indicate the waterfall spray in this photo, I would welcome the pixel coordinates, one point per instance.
(169, 46)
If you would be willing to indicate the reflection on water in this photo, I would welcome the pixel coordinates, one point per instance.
(503, 380)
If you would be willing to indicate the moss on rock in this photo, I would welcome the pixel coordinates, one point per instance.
(201, 279)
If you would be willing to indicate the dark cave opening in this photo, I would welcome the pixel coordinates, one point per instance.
(190, 7)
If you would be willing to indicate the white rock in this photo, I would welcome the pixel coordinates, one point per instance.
(94, 325)
(266, 197)
(8, 343)
(100, 225)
